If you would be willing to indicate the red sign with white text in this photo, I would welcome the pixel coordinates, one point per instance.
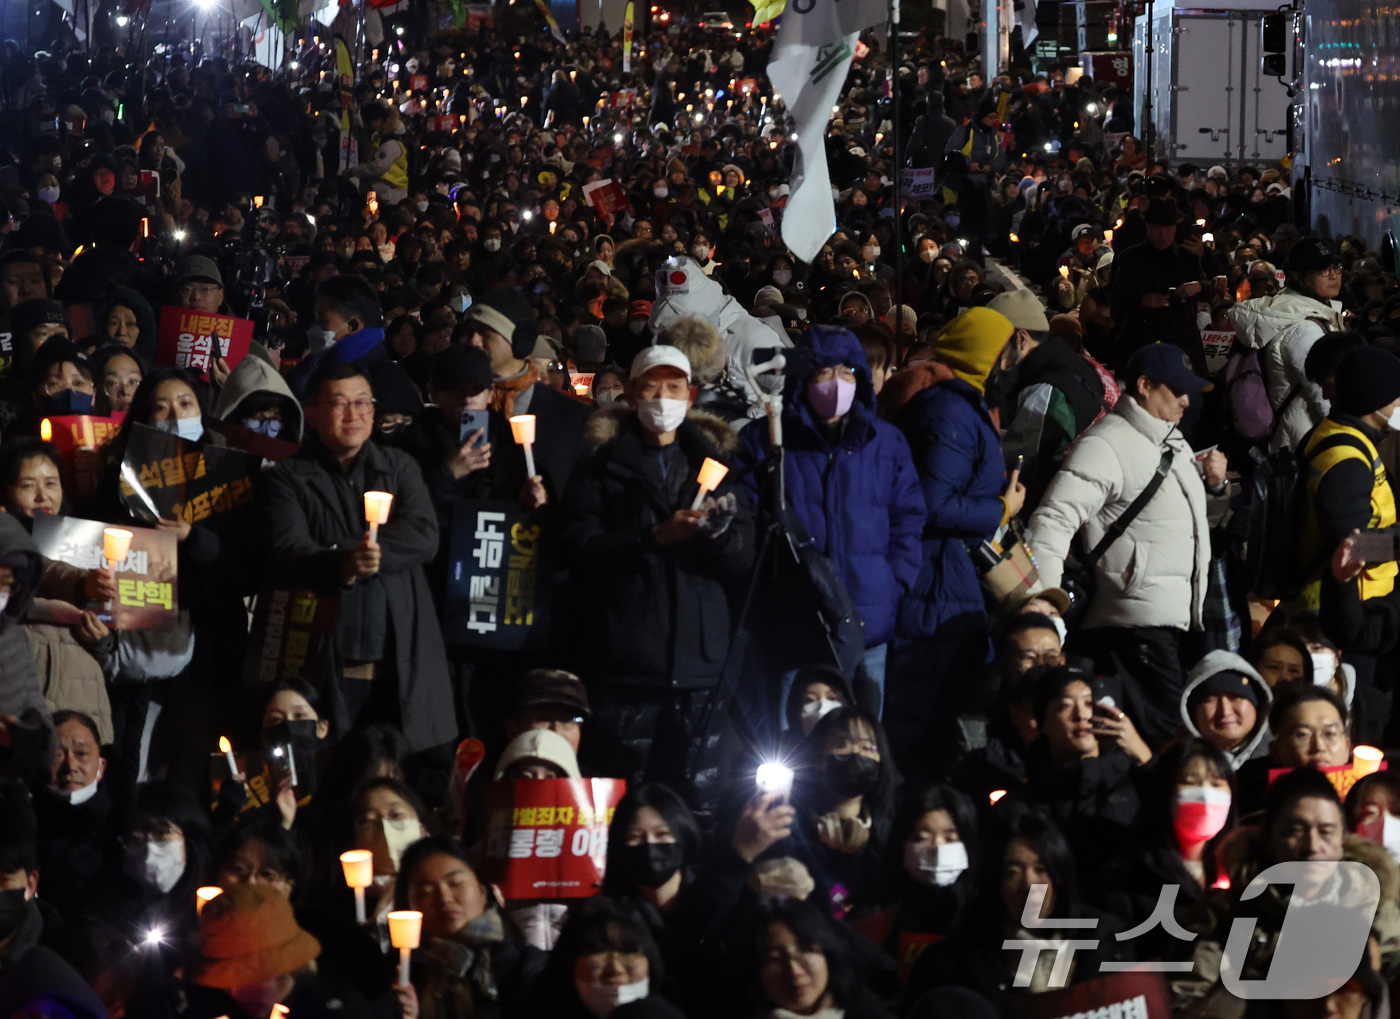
(548, 838)
(192, 339)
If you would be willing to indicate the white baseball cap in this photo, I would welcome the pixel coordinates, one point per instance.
(660, 355)
(601, 266)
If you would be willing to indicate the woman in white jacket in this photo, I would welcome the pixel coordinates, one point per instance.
(1152, 581)
(1283, 329)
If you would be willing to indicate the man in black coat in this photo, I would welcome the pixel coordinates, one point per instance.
(1155, 286)
(653, 574)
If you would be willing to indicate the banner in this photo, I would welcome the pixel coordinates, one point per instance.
(554, 28)
(165, 477)
(192, 339)
(1342, 776)
(146, 579)
(548, 838)
(497, 576)
(606, 196)
(1217, 344)
(810, 61)
(79, 437)
(291, 636)
(7, 353)
(627, 38)
(345, 71)
(919, 183)
(1132, 995)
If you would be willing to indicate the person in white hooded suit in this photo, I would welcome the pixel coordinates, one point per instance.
(683, 289)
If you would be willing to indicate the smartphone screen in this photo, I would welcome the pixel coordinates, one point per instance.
(475, 420)
(1375, 547)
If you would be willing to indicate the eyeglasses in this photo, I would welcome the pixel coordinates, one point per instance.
(1303, 737)
(1331, 270)
(361, 408)
(838, 371)
(199, 289)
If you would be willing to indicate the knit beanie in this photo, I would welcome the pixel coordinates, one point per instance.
(1367, 379)
(971, 343)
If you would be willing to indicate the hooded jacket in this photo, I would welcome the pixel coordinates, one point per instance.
(253, 375)
(1155, 573)
(1257, 744)
(656, 616)
(682, 288)
(855, 488)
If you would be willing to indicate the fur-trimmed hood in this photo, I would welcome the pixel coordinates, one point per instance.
(1242, 850)
(605, 424)
(903, 385)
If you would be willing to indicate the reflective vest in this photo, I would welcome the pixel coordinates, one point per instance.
(1330, 444)
(397, 174)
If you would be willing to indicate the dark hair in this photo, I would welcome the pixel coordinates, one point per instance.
(812, 930)
(332, 371)
(400, 789)
(143, 403)
(1324, 355)
(166, 802)
(820, 672)
(86, 721)
(1047, 683)
(1274, 637)
(1159, 785)
(19, 828)
(1286, 700)
(423, 850)
(281, 848)
(937, 797)
(352, 297)
(673, 810)
(1020, 623)
(879, 801)
(1043, 836)
(301, 688)
(599, 924)
(14, 453)
(1389, 780)
(1287, 790)
(363, 752)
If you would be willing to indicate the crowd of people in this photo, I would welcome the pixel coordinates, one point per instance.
(1045, 595)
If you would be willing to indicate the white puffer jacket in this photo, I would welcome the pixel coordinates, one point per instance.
(1283, 329)
(1155, 573)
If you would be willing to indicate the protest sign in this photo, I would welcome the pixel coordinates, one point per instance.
(606, 196)
(165, 477)
(291, 635)
(192, 339)
(496, 576)
(81, 323)
(79, 437)
(7, 353)
(548, 838)
(1217, 346)
(1136, 994)
(919, 183)
(146, 588)
(1342, 776)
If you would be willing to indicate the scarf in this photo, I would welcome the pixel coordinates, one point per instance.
(504, 391)
(468, 953)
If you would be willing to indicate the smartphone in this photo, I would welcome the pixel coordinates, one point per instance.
(1377, 547)
(1020, 461)
(473, 421)
(280, 763)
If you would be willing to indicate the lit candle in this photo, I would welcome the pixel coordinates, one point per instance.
(522, 426)
(1365, 760)
(227, 749)
(580, 388)
(46, 430)
(258, 201)
(1064, 271)
(202, 896)
(358, 865)
(116, 543)
(405, 931)
(1108, 236)
(996, 794)
(712, 472)
(377, 511)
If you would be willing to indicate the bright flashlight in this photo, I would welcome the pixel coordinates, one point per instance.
(773, 777)
(153, 937)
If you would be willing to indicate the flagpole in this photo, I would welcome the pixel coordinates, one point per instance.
(898, 129)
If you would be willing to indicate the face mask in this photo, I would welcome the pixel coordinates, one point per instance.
(1060, 628)
(297, 732)
(661, 414)
(652, 864)
(814, 711)
(701, 253)
(606, 397)
(399, 835)
(461, 302)
(1324, 667)
(109, 116)
(782, 277)
(927, 256)
(602, 999)
(851, 775)
(80, 796)
(263, 426)
(4, 600)
(14, 907)
(319, 340)
(871, 253)
(68, 401)
(832, 398)
(661, 192)
(189, 429)
(936, 865)
(156, 865)
(492, 244)
(49, 195)
(422, 206)
(1201, 811)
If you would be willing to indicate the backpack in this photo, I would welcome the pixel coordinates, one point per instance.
(1247, 397)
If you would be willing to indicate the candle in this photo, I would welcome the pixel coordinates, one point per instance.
(405, 931)
(996, 794)
(258, 201)
(116, 543)
(712, 472)
(1064, 271)
(1108, 236)
(358, 865)
(46, 430)
(522, 426)
(203, 895)
(377, 511)
(227, 749)
(1365, 760)
(580, 388)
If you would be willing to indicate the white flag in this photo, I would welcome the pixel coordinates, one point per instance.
(816, 43)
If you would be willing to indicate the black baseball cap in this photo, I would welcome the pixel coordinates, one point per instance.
(1167, 364)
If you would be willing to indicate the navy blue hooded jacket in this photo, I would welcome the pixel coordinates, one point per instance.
(855, 489)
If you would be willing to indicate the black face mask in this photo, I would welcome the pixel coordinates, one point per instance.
(14, 907)
(851, 775)
(296, 732)
(651, 864)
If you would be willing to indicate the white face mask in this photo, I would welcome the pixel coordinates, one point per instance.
(871, 253)
(492, 244)
(422, 206)
(156, 864)
(461, 302)
(80, 796)
(660, 192)
(1393, 422)
(661, 414)
(936, 865)
(782, 277)
(4, 600)
(49, 195)
(602, 999)
(319, 339)
(189, 429)
(1324, 665)
(399, 835)
(814, 711)
(109, 116)
(701, 253)
(1060, 628)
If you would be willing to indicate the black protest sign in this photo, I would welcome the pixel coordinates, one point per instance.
(165, 477)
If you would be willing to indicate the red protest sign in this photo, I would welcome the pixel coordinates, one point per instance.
(1342, 776)
(606, 196)
(192, 339)
(418, 83)
(548, 838)
(1136, 994)
(78, 438)
(81, 324)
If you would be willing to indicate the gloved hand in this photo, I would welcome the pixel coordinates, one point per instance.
(719, 514)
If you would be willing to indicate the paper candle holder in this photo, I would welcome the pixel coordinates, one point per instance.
(116, 543)
(1366, 760)
(377, 507)
(203, 896)
(522, 426)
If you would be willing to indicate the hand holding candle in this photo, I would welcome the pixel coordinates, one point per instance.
(227, 748)
(405, 931)
(377, 511)
(522, 426)
(358, 865)
(712, 472)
